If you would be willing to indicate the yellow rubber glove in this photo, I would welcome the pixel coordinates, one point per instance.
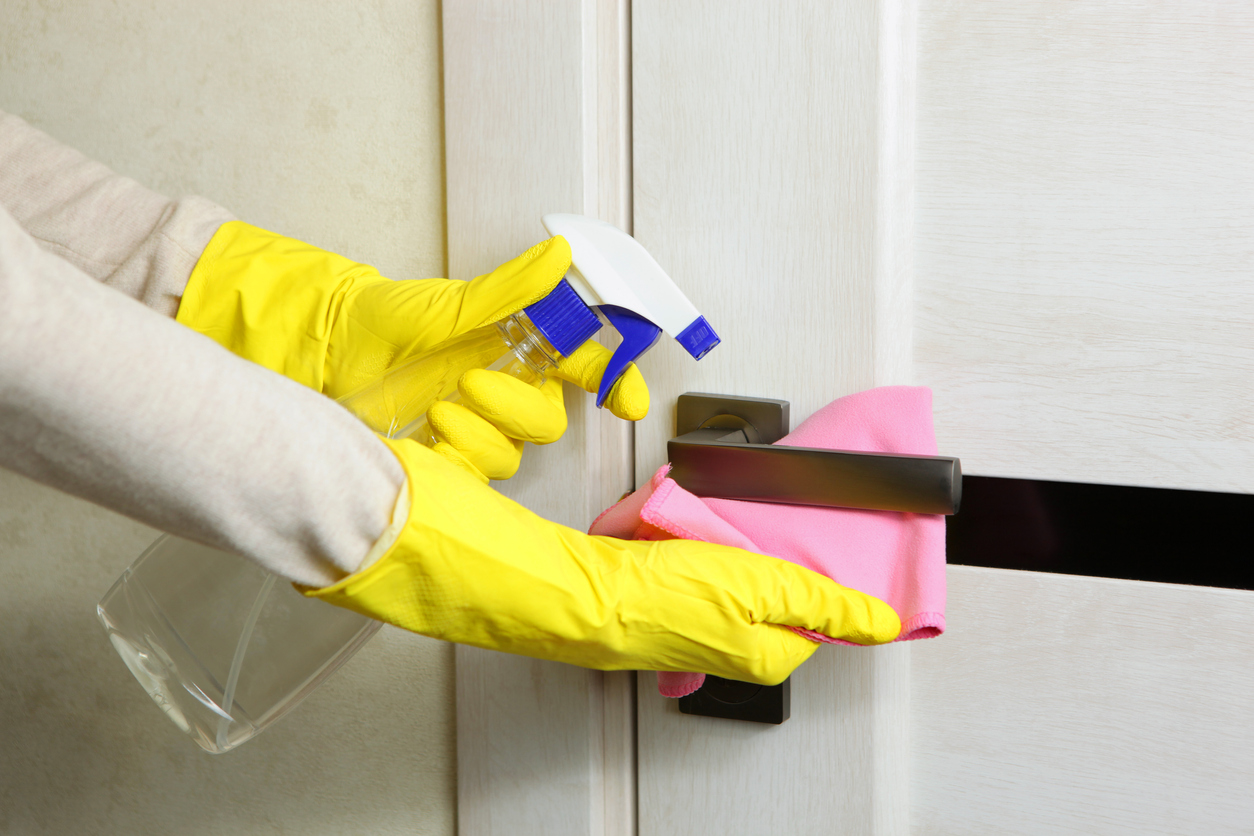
(333, 325)
(471, 566)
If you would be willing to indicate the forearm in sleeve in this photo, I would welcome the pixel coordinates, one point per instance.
(108, 226)
(106, 400)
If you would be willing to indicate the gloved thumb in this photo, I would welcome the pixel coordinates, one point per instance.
(514, 285)
(385, 322)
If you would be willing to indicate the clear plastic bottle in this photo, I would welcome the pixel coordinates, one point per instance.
(396, 404)
(226, 648)
(222, 646)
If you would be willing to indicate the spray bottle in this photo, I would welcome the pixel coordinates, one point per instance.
(226, 648)
(610, 273)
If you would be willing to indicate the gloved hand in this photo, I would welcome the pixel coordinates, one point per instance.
(471, 566)
(333, 325)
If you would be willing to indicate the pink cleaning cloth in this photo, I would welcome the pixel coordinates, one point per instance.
(898, 558)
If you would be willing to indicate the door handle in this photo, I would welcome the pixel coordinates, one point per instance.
(724, 450)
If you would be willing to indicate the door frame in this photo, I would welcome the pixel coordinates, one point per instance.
(537, 118)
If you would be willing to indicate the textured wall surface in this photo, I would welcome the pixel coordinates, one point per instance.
(319, 121)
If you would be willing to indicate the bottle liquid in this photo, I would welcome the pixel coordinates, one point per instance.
(226, 648)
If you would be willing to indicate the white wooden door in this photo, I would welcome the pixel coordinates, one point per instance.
(1044, 211)
(772, 177)
(1041, 210)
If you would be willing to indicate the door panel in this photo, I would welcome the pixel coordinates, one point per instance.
(1082, 308)
(1062, 704)
(1086, 239)
(1084, 312)
(772, 180)
(757, 134)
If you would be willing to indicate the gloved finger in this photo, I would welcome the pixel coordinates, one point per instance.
(629, 399)
(478, 441)
(799, 597)
(751, 592)
(519, 410)
(763, 648)
(449, 453)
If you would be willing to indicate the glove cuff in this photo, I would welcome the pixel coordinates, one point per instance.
(474, 567)
(397, 585)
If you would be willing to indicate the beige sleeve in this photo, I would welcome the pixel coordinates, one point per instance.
(108, 226)
(104, 399)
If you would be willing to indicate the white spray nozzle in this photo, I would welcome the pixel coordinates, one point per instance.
(613, 273)
(610, 269)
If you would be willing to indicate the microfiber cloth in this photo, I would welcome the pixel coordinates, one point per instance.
(899, 558)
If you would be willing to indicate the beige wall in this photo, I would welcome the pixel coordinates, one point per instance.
(322, 121)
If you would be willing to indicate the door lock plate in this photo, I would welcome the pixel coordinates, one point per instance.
(732, 700)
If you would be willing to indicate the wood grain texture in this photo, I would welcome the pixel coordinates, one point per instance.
(615, 472)
(772, 172)
(754, 147)
(1061, 704)
(1085, 239)
(528, 741)
(814, 774)
(1084, 312)
(535, 122)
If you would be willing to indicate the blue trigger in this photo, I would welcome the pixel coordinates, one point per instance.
(639, 335)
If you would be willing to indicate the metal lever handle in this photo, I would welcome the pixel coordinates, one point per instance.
(720, 463)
